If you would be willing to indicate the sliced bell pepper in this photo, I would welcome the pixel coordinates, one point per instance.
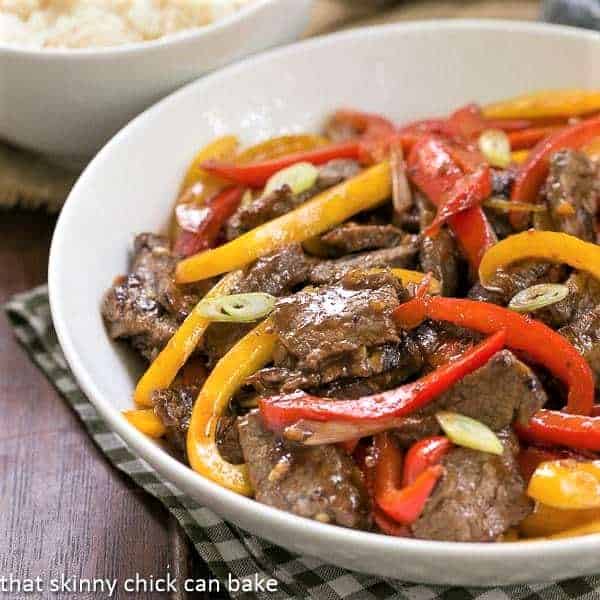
(546, 104)
(436, 167)
(530, 458)
(174, 355)
(542, 344)
(534, 170)
(328, 209)
(280, 411)
(519, 156)
(222, 148)
(528, 138)
(407, 276)
(402, 504)
(545, 245)
(423, 454)
(249, 355)
(146, 421)
(215, 213)
(257, 174)
(566, 484)
(562, 429)
(591, 528)
(278, 147)
(545, 520)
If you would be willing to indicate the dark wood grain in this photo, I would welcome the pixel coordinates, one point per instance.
(63, 508)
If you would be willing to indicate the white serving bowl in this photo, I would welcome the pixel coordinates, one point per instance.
(407, 72)
(68, 103)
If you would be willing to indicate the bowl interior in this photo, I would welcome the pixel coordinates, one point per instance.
(407, 72)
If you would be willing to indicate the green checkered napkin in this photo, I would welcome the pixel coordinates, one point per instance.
(226, 549)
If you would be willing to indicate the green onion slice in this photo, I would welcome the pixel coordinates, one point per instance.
(299, 177)
(237, 308)
(538, 296)
(467, 432)
(501, 204)
(495, 146)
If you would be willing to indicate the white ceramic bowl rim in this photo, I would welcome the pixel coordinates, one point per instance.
(166, 463)
(173, 39)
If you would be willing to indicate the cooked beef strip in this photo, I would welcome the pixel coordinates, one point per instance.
(278, 203)
(477, 499)
(515, 279)
(584, 334)
(228, 440)
(440, 256)
(572, 192)
(353, 237)
(146, 305)
(174, 408)
(321, 483)
(502, 182)
(503, 390)
(330, 271)
(314, 327)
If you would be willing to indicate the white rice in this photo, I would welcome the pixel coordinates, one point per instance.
(88, 23)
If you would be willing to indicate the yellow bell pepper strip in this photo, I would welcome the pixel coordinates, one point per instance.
(546, 104)
(180, 347)
(546, 520)
(588, 529)
(566, 484)
(280, 146)
(222, 148)
(326, 210)
(519, 156)
(546, 245)
(406, 276)
(146, 421)
(249, 355)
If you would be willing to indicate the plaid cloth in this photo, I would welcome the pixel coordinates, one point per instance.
(226, 549)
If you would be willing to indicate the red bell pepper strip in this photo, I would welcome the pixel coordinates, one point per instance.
(435, 167)
(466, 123)
(533, 171)
(280, 411)
(469, 192)
(528, 138)
(215, 212)
(257, 174)
(425, 453)
(542, 344)
(403, 504)
(562, 429)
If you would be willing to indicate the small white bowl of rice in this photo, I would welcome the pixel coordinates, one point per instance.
(73, 72)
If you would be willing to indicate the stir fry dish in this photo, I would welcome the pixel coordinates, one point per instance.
(393, 327)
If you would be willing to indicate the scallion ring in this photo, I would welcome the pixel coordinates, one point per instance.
(495, 146)
(469, 433)
(538, 296)
(299, 178)
(237, 308)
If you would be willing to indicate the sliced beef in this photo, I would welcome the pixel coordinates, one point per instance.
(174, 408)
(314, 327)
(515, 279)
(220, 338)
(228, 440)
(279, 202)
(503, 181)
(478, 498)
(320, 483)
(584, 334)
(441, 256)
(500, 392)
(330, 271)
(572, 192)
(353, 237)
(146, 305)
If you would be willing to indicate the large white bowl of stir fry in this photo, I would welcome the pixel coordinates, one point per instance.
(347, 295)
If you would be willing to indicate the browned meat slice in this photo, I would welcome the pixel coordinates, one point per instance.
(353, 237)
(584, 334)
(572, 193)
(503, 390)
(220, 338)
(320, 483)
(516, 279)
(278, 203)
(330, 271)
(584, 295)
(146, 306)
(314, 327)
(440, 256)
(479, 497)
(174, 408)
(228, 440)
(503, 181)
